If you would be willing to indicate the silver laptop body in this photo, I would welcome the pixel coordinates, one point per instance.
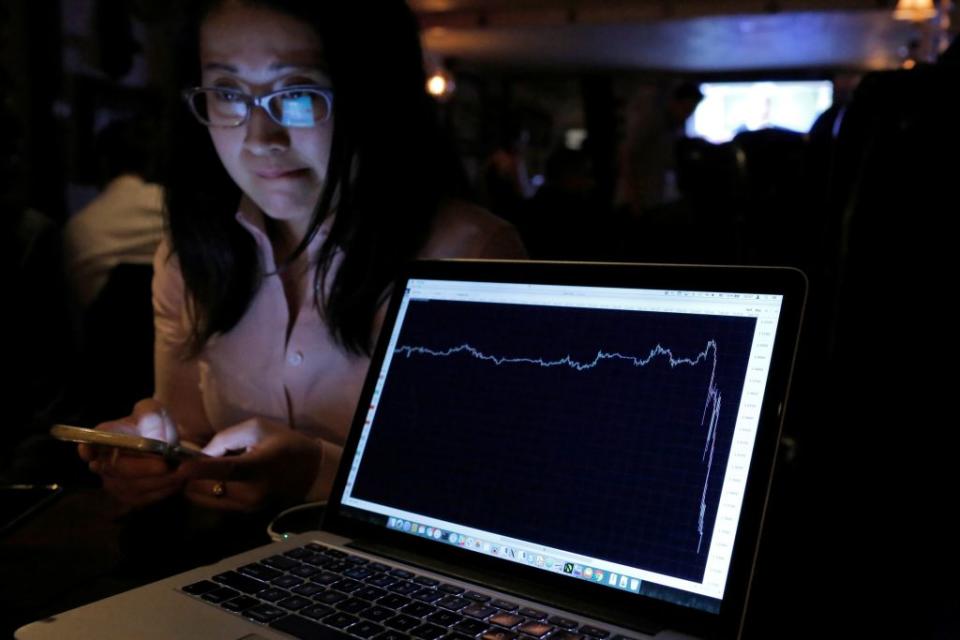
(542, 451)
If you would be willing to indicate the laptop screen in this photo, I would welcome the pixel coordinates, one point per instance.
(603, 434)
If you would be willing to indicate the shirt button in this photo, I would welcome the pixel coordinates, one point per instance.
(295, 359)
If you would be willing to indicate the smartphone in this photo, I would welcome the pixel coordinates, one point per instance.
(19, 501)
(126, 441)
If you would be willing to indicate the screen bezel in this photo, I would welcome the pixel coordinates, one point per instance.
(593, 598)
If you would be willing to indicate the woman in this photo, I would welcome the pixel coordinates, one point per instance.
(324, 175)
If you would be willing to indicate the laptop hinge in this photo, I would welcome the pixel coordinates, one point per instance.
(496, 580)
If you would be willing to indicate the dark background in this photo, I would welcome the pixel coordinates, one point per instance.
(858, 534)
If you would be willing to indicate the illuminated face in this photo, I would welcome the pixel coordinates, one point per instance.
(257, 50)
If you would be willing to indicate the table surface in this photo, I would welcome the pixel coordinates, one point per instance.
(83, 547)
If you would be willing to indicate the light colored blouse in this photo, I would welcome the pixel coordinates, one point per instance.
(302, 379)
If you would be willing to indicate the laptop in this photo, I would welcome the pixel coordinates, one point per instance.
(541, 451)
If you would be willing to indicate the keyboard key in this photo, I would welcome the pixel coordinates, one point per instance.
(563, 623)
(369, 593)
(594, 632)
(330, 597)
(294, 603)
(289, 582)
(259, 571)
(454, 603)
(426, 595)
(504, 604)
(352, 559)
(428, 632)
(390, 634)
(377, 613)
(476, 597)
(378, 566)
(536, 614)
(326, 578)
(198, 588)
(309, 589)
(318, 560)
(241, 583)
(425, 581)
(317, 547)
(365, 629)
(478, 611)
(358, 573)
(450, 589)
(507, 620)
(240, 603)
(339, 566)
(393, 601)
(335, 553)
(456, 636)
(404, 588)
(498, 634)
(444, 618)
(353, 605)
(400, 573)
(347, 585)
(264, 613)
(219, 595)
(304, 571)
(402, 623)
(470, 627)
(273, 594)
(316, 611)
(566, 635)
(382, 580)
(536, 629)
(299, 553)
(340, 620)
(282, 563)
(418, 609)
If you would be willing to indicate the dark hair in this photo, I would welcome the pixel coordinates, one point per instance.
(385, 177)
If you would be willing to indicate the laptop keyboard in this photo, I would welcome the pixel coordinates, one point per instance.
(319, 592)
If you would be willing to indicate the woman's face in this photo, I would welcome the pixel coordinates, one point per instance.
(258, 50)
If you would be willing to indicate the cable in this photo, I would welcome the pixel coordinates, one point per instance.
(281, 536)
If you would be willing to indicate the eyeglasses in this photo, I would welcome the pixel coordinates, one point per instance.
(299, 106)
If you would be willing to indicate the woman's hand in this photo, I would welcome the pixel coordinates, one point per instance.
(275, 464)
(134, 479)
